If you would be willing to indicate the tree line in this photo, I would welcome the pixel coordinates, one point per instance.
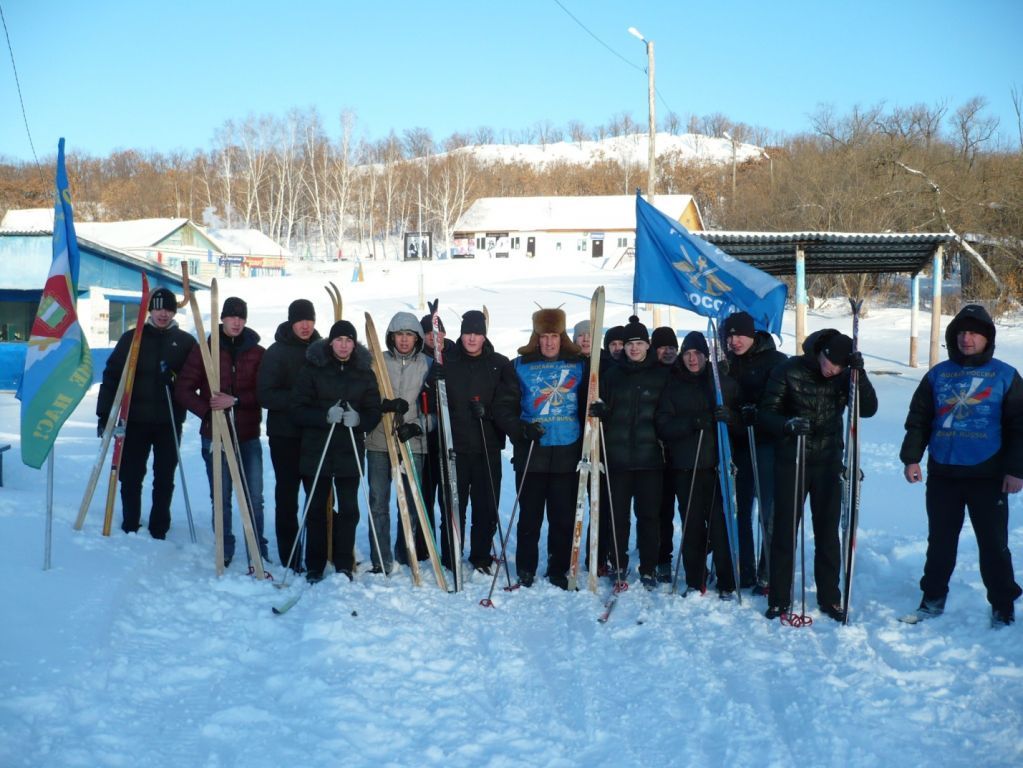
(921, 168)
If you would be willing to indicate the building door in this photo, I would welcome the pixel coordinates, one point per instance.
(530, 247)
(598, 249)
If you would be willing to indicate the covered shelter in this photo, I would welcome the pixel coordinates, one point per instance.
(795, 253)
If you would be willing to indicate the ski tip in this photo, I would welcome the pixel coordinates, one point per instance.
(432, 305)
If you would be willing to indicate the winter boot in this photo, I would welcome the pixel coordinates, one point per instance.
(932, 606)
(776, 612)
(663, 573)
(1002, 615)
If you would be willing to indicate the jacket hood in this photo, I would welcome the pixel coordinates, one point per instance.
(404, 321)
(976, 313)
(815, 342)
(319, 354)
(285, 334)
(762, 342)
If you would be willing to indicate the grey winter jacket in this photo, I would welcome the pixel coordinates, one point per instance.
(407, 374)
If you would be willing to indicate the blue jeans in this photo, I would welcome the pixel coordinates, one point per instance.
(378, 473)
(252, 471)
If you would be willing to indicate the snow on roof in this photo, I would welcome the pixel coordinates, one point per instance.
(250, 242)
(28, 219)
(583, 213)
(138, 233)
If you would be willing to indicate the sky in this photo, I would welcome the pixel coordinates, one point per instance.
(113, 74)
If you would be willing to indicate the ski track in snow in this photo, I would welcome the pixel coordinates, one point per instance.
(130, 652)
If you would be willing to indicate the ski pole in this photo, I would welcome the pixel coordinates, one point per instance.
(685, 518)
(765, 545)
(488, 602)
(308, 501)
(620, 584)
(493, 498)
(369, 510)
(792, 619)
(181, 468)
(237, 447)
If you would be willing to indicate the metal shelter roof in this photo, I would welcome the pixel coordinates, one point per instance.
(831, 252)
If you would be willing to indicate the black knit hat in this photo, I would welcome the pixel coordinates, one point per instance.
(738, 324)
(427, 323)
(301, 309)
(163, 298)
(695, 340)
(474, 321)
(664, 337)
(234, 307)
(837, 349)
(614, 333)
(974, 325)
(342, 328)
(636, 331)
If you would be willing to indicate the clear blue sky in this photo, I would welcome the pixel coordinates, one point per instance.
(166, 75)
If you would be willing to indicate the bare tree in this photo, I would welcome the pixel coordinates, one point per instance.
(972, 129)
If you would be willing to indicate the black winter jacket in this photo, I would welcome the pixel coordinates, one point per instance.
(687, 396)
(632, 392)
(752, 371)
(162, 355)
(797, 388)
(276, 380)
(321, 383)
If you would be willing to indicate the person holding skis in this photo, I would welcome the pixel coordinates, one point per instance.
(664, 343)
(275, 384)
(431, 478)
(240, 358)
(336, 402)
(543, 404)
(154, 424)
(752, 355)
(686, 415)
(629, 393)
(407, 369)
(473, 373)
(967, 413)
(807, 396)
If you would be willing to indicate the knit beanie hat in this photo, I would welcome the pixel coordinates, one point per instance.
(427, 324)
(342, 328)
(163, 298)
(695, 340)
(474, 321)
(614, 333)
(837, 349)
(738, 324)
(234, 307)
(583, 326)
(301, 309)
(664, 337)
(635, 331)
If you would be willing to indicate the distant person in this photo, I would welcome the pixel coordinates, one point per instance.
(153, 424)
(664, 344)
(582, 336)
(967, 413)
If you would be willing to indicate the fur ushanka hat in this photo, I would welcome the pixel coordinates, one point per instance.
(549, 321)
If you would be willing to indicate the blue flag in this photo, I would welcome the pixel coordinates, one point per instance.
(674, 267)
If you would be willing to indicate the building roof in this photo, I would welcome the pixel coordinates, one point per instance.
(831, 252)
(572, 214)
(250, 242)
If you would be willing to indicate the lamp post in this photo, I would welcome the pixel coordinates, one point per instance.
(728, 136)
(651, 154)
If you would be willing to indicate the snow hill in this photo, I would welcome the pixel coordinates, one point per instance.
(130, 652)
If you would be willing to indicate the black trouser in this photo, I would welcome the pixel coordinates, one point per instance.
(474, 487)
(139, 439)
(947, 500)
(667, 517)
(704, 529)
(644, 486)
(284, 454)
(824, 487)
(555, 491)
(745, 492)
(346, 519)
(433, 490)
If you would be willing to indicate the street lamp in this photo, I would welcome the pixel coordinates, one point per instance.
(650, 88)
(728, 136)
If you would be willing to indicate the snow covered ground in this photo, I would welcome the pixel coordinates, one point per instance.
(130, 652)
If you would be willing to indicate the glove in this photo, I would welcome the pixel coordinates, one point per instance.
(407, 431)
(532, 430)
(350, 417)
(397, 405)
(749, 415)
(599, 409)
(120, 431)
(101, 427)
(166, 375)
(856, 361)
(477, 409)
(725, 415)
(797, 426)
(335, 414)
(702, 421)
(438, 372)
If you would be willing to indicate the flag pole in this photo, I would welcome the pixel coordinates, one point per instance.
(48, 546)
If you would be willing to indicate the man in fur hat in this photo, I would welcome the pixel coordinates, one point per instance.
(543, 407)
(967, 413)
(153, 424)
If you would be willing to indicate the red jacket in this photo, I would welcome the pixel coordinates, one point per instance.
(239, 368)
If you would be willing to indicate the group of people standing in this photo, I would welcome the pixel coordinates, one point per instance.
(661, 410)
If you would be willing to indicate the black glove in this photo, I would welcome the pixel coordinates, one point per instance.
(702, 421)
(749, 415)
(797, 426)
(532, 430)
(407, 431)
(397, 405)
(599, 409)
(477, 409)
(438, 371)
(101, 427)
(166, 375)
(725, 415)
(856, 361)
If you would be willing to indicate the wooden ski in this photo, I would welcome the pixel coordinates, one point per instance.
(121, 419)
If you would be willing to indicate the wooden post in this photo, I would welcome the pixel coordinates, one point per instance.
(914, 319)
(800, 298)
(936, 275)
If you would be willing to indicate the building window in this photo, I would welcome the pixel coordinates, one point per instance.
(623, 242)
(122, 318)
(16, 318)
(481, 243)
(515, 244)
(581, 245)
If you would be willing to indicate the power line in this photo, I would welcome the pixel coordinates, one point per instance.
(21, 100)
